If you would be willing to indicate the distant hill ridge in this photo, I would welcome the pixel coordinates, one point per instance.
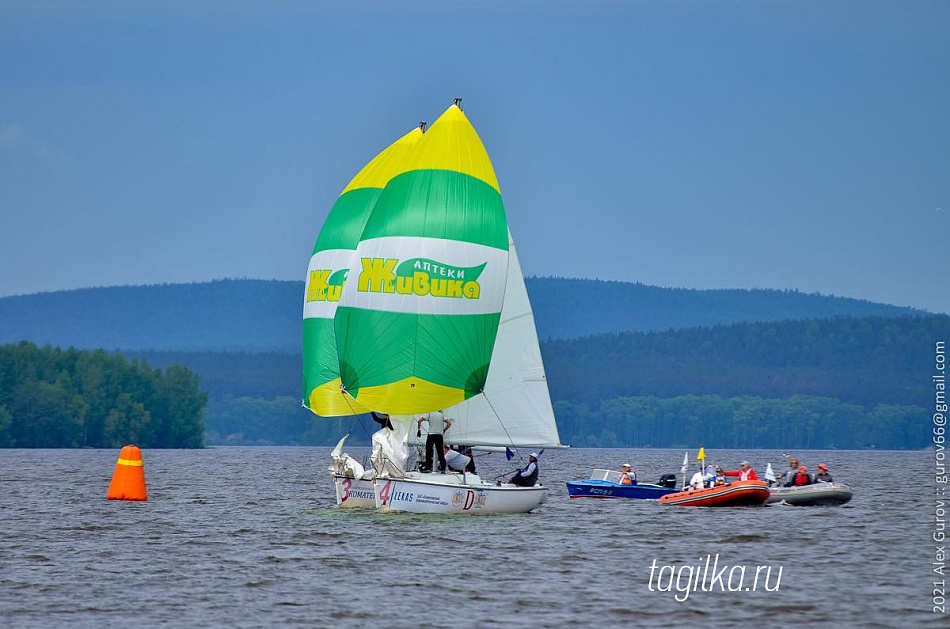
(264, 315)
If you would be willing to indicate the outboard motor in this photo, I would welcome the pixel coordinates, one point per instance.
(668, 481)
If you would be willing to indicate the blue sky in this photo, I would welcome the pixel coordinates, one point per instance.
(700, 144)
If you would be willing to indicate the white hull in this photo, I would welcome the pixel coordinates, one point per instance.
(453, 494)
(352, 493)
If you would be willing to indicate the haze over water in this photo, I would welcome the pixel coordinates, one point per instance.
(252, 537)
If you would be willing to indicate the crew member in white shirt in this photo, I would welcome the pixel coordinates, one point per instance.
(456, 460)
(438, 424)
(700, 480)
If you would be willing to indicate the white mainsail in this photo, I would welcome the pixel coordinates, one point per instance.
(515, 408)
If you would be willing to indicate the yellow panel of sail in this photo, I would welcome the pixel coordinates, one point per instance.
(329, 400)
(451, 143)
(406, 396)
(386, 165)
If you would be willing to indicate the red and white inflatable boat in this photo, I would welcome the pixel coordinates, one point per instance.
(741, 493)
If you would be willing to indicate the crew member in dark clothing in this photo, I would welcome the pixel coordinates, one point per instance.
(382, 419)
(800, 478)
(527, 477)
(467, 451)
(823, 476)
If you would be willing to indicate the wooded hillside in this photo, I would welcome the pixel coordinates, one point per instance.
(53, 398)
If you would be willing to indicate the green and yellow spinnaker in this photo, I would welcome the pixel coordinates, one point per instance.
(419, 313)
(330, 262)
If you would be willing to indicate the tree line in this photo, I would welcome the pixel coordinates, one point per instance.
(55, 398)
(254, 421)
(865, 361)
(800, 421)
(843, 382)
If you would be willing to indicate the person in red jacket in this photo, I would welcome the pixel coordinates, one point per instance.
(745, 472)
(801, 477)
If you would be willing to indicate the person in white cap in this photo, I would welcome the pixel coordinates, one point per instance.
(527, 477)
(627, 475)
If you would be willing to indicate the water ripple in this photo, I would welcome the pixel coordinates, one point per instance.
(264, 545)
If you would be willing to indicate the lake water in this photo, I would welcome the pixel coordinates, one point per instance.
(252, 537)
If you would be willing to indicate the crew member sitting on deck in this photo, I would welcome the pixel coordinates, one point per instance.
(720, 478)
(699, 480)
(627, 476)
(745, 472)
(467, 451)
(787, 474)
(799, 478)
(527, 477)
(823, 476)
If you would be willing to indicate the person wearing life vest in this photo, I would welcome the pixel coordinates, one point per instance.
(745, 472)
(800, 478)
(528, 476)
(627, 476)
(720, 479)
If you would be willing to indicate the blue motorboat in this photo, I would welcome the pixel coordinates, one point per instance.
(598, 486)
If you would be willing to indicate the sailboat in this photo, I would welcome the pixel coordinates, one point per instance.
(431, 314)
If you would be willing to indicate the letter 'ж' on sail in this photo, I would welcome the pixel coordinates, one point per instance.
(332, 257)
(419, 313)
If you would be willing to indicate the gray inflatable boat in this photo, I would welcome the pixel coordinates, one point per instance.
(818, 494)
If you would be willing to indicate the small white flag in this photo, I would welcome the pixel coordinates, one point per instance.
(685, 463)
(769, 474)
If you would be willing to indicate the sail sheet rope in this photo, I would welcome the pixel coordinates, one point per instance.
(502, 424)
(355, 417)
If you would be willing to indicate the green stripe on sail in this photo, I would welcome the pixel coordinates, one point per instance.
(439, 204)
(345, 222)
(449, 350)
(320, 363)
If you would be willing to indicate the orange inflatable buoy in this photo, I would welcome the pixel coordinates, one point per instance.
(128, 480)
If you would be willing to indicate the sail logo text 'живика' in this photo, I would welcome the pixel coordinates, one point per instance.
(419, 276)
(325, 284)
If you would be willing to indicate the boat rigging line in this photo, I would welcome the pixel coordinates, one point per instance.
(503, 427)
(355, 416)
